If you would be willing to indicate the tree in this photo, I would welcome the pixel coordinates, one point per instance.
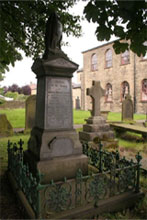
(22, 27)
(26, 90)
(13, 88)
(1, 76)
(124, 19)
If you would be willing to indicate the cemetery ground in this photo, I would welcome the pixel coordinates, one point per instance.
(17, 116)
(129, 145)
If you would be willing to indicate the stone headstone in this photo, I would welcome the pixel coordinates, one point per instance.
(96, 92)
(30, 109)
(96, 125)
(78, 103)
(127, 109)
(6, 128)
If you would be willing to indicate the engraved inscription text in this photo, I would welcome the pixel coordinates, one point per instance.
(58, 104)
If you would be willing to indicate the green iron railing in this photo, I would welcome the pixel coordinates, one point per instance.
(29, 184)
(113, 177)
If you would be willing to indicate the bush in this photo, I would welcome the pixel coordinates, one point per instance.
(13, 95)
(1, 91)
(26, 90)
(13, 88)
(2, 101)
(22, 97)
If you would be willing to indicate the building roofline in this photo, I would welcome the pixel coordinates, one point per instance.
(80, 70)
(100, 46)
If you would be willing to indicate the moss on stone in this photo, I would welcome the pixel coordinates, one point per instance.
(6, 128)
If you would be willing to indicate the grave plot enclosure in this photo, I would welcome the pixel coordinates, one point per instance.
(112, 186)
(51, 176)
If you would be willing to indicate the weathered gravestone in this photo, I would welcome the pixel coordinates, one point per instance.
(127, 109)
(30, 109)
(54, 147)
(6, 128)
(96, 125)
(78, 103)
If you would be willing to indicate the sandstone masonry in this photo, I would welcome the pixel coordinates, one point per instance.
(133, 72)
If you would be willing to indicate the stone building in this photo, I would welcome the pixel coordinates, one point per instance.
(33, 87)
(119, 75)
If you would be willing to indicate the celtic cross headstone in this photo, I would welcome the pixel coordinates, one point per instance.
(96, 92)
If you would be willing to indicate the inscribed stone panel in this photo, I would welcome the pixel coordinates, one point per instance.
(58, 109)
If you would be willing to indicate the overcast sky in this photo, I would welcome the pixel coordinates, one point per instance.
(21, 74)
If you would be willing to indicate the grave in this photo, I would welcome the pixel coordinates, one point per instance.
(78, 103)
(51, 178)
(96, 125)
(6, 128)
(54, 148)
(30, 109)
(127, 109)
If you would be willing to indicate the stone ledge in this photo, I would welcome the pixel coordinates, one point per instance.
(89, 136)
(59, 167)
(95, 127)
(113, 204)
(96, 120)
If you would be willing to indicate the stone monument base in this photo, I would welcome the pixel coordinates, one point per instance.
(56, 154)
(96, 127)
(46, 144)
(58, 168)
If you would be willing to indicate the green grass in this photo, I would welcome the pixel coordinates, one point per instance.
(131, 145)
(15, 116)
(13, 139)
(80, 116)
(3, 149)
(116, 116)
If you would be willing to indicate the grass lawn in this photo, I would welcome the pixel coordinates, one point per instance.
(3, 148)
(17, 116)
(79, 116)
(116, 116)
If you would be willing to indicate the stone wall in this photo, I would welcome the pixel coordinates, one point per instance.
(141, 73)
(13, 104)
(114, 75)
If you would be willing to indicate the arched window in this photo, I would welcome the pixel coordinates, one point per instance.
(144, 90)
(94, 62)
(108, 58)
(145, 56)
(125, 90)
(108, 94)
(125, 57)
